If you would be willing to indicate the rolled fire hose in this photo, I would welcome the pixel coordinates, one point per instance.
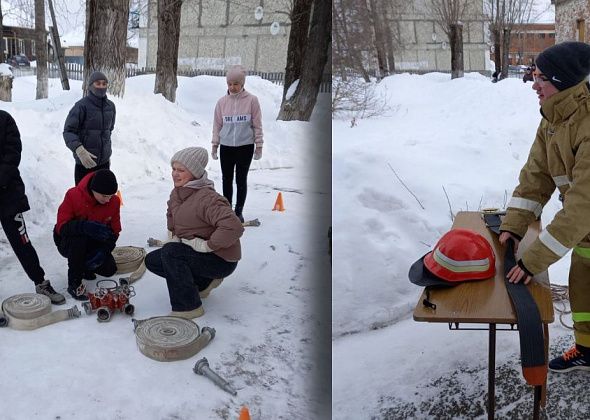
(169, 338)
(130, 259)
(29, 311)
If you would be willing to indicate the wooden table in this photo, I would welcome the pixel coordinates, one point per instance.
(487, 301)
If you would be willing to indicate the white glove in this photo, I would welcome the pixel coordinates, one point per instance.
(156, 242)
(214, 153)
(258, 153)
(198, 244)
(86, 157)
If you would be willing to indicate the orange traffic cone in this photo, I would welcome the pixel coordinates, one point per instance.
(279, 206)
(244, 414)
(120, 197)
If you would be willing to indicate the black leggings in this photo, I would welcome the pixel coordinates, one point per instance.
(239, 158)
(16, 232)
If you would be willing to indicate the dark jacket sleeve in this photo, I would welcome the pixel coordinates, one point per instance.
(10, 151)
(73, 127)
(114, 116)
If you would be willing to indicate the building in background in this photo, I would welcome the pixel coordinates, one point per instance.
(528, 41)
(424, 47)
(571, 20)
(218, 33)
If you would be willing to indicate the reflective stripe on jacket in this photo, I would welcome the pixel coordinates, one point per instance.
(559, 157)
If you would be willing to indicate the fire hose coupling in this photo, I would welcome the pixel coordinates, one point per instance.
(108, 298)
(202, 368)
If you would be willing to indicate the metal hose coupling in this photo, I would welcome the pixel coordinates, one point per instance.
(202, 368)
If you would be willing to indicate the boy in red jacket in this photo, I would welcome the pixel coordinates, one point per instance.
(88, 225)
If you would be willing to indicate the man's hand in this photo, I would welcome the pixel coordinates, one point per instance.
(214, 152)
(504, 236)
(258, 153)
(516, 274)
(86, 157)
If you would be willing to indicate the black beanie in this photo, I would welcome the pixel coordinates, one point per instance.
(565, 64)
(104, 182)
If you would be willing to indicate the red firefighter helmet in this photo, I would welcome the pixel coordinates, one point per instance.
(459, 255)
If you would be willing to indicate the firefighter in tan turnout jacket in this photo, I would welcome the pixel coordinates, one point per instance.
(559, 158)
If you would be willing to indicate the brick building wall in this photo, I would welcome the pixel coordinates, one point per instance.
(217, 33)
(529, 40)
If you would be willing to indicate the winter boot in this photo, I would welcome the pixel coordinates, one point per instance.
(46, 289)
(576, 358)
(195, 313)
(205, 292)
(238, 212)
(89, 275)
(78, 293)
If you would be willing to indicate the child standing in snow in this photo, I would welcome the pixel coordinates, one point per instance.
(88, 128)
(13, 202)
(237, 126)
(204, 236)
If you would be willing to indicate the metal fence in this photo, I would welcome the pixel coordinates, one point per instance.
(75, 71)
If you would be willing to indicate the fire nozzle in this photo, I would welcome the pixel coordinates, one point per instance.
(202, 368)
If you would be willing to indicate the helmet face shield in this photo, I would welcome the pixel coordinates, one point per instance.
(459, 255)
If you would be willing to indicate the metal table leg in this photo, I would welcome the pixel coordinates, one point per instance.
(491, 372)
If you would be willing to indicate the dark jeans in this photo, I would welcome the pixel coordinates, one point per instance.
(238, 158)
(78, 249)
(186, 272)
(80, 171)
(16, 232)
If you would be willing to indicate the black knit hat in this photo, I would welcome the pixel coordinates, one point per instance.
(104, 182)
(565, 64)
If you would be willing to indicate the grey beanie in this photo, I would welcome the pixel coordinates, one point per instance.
(236, 74)
(193, 158)
(96, 75)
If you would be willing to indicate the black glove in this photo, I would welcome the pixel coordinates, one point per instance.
(95, 260)
(96, 230)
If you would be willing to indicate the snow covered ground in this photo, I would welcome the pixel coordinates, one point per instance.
(467, 137)
(272, 341)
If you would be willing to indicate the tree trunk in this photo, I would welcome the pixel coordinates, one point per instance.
(6, 88)
(505, 52)
(167, 56)
(301, 104)
(297, 42)
(41, 49)
(379, 39)
(497, 52)
(105, 44)
(2, 58)
(354, 58)
(65, 83)
(456, 41)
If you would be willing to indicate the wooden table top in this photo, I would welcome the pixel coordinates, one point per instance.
(485, 301)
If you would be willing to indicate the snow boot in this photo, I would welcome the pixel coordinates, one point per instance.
(205, 292)
(195, 313)
(46, 289)
(78, 293)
